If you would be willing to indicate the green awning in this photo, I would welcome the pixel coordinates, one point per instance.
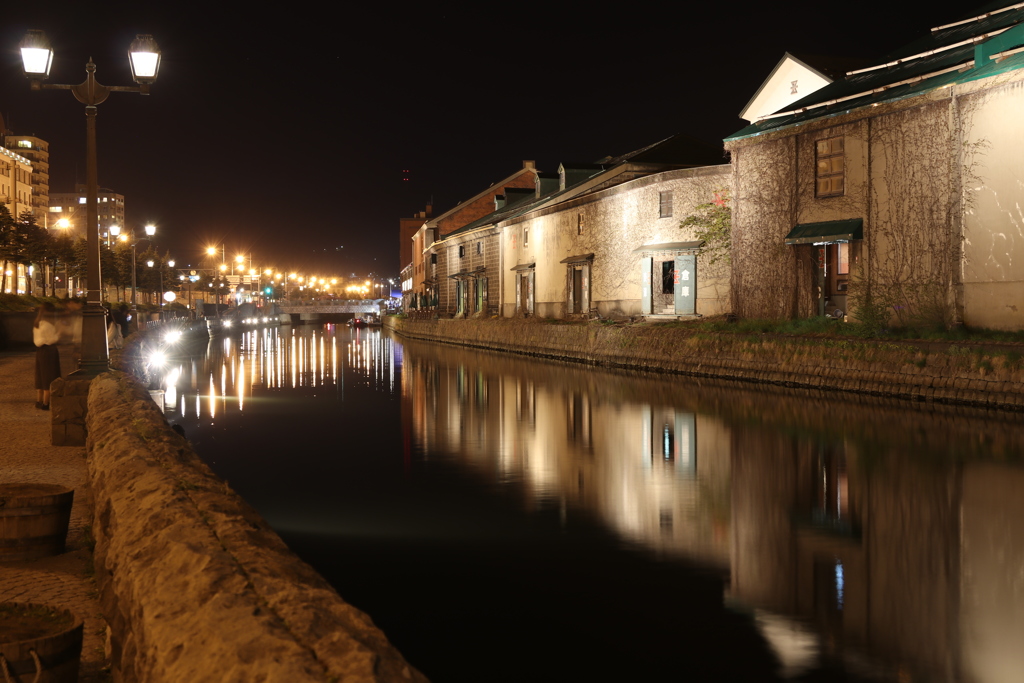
(826, 232)
(670, 246)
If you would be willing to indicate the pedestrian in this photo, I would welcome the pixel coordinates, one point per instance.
(72, 328)
(45, 337)
(114, 338)
(122, 317)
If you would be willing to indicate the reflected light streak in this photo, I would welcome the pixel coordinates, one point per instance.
(312, 361)
(171, 388)
(213, 398)
(240, 386)
(323, 368)
(334, 359)
(293, 360)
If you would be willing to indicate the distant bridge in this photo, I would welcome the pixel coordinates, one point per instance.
(353, 306)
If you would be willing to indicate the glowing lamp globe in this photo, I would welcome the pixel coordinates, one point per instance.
(144, 55)
(36, 55)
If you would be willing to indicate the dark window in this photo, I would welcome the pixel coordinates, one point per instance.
(433, 259)
(668, 271)
(830, 169)
(462, 250)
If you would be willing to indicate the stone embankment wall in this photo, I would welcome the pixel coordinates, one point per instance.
(193, 582)
(965, 373)
(16, 330)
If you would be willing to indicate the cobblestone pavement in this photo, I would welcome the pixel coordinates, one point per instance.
(26, 456)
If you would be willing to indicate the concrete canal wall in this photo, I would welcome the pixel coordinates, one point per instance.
(194, 584)
(980, 375)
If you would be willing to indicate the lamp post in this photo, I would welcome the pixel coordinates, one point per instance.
(151, 263)
(37, 58)
(65, 224)
(150, 231)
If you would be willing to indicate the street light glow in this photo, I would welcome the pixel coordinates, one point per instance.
(36, 55)
(144, 55)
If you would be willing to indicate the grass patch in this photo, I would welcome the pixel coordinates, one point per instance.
(827, 328)
(26, 302)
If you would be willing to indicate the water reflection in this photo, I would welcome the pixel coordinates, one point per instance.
(894, 533)
(856, 536)
(234, 368)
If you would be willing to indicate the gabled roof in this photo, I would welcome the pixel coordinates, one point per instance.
(769, 94)
(665, 154)
(528, 167)
(947, 56)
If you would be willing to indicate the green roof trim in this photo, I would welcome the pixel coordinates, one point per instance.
(953, 55)
(826, 232)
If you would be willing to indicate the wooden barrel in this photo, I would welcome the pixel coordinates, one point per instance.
(33, 520)
(39, 643)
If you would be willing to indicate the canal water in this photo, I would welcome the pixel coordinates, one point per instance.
(509, 519)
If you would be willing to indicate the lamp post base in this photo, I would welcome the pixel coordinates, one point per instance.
(95, 359)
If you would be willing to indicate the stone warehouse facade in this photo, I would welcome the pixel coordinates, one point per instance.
(595, 229)
(420, 279)
(892, 194)
(618, 252)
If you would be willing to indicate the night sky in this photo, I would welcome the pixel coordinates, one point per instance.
(287, 132)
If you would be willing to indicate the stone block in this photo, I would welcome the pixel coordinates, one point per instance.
(68, 409)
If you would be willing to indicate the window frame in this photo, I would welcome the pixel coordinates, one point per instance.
(829, 182)
(665, 204)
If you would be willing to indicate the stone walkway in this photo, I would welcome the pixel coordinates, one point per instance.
(26, 456)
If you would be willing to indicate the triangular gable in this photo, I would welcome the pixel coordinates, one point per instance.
(791, 79)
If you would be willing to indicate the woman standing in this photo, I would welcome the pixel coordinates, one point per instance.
(44, 334)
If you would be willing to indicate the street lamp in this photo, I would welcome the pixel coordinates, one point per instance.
(170, 264)
(150, 231)
(65, 224)
(37, 58)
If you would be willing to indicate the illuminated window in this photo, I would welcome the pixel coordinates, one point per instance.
(579, 224)
(526, 237)
(81, 200)
(665, 204)
(25, 143)
(830, 168)
(55, 209)
(843, 258)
